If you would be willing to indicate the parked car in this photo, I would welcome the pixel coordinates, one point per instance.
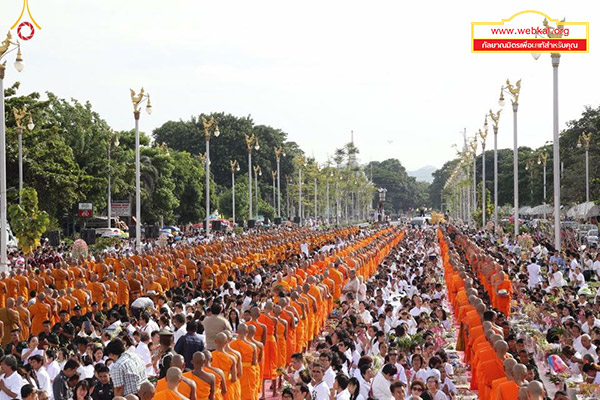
(114, 233)
(592, 237)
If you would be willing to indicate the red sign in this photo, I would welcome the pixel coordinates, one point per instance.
(86, 210)
(85, 213)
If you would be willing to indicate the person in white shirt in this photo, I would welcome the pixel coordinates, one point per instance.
(31, 349)
(364, 314)
(578, 278)
(329, 374)
(180, 327)
(10, 380)
(340, 391)
(596, 266)
(418, 309)
(52, 365)
(382, 381)
(318, 388)
(587, 347)
(37, 363)
(143, 352)
(433, 387)
(590, 322)
(535, 274)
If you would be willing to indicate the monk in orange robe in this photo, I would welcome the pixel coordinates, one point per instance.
(226, 363)
(173, 381)
(250, 378)
(220, 386)
(270, 350)
(205, 383)
(40, 312)
(24, 318)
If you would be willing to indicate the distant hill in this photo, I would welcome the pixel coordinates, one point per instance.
(424, 173)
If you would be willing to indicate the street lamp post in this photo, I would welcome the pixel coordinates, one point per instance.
(382, 192)
(137, 100)
(495, 118)
(257, 173)
(111, 143)
(556, 170)
(235, 166)
(327, 196)
(585, 139)
(19, 117)
(274, 173)
(529, 167)
(278, 153)
(474, 153)
(210, 125)
(483, 135)
(6, 47)
(514, 91)
(251, 141)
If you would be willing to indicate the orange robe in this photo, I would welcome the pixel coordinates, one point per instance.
(218, 392)
(167, 394)
(250, 373)
(202, 387)
(39, 312)
(182, 388)
(270, 349)
(507, 391)
(224, 362)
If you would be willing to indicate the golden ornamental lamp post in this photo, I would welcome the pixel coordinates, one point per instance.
(483, 135)
(257, 173)
(585, 139)
(513, 92)
(113, 141)
(495, 118)
(555, 33)
(235, 167)
(251, 141)
(210, 127)
(20, 116)
(138, 100)
(278, 153)
(474, 155)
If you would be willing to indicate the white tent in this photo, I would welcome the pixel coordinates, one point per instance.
(584, 210)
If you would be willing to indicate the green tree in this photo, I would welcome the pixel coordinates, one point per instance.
(27, 221)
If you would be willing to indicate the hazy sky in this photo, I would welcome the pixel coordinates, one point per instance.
(389, 70)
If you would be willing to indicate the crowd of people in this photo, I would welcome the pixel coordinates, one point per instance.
(219, 319)
(339, 314)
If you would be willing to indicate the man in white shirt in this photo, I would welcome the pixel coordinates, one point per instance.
(329, 374)
(10, 380)
(596, 266)
(587, 347)
(318, 388)
(590, 322)
(418, 309)
(37, 363)
(180, 327)
(535, 274)
(143, 351)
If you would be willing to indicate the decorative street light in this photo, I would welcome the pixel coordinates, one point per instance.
(19, 117)
(543, 157)
(251, 141)
(235, 167)
(301, 163)
(257, 173)
(483, 135)
(382, 192)
(556, 170)
(474, 154)
(529, 167)
(585, 139)
(278, 152)
(495, 118)
(6, 46)
(274, 174)
(210, 126)
(112, 141)
(137, 100)
(514, 91)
